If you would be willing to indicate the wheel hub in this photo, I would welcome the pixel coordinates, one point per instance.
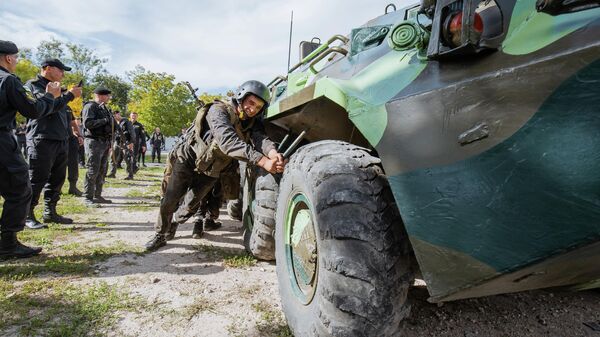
(301, 243)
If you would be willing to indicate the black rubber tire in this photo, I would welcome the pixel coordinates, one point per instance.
(262, 241)
(234, 209)
(363, 265)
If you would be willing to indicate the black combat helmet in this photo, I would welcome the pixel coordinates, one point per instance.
(256, 88)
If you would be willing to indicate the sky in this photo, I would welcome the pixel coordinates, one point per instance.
(214, 44)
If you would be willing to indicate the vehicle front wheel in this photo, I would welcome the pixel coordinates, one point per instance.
(343, 257)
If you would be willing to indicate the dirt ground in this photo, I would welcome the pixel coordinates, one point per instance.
(209, 287)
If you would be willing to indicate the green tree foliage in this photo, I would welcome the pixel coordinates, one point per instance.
(26, 70)
(49, 49)
(85, 63)
(118, 87)
(160, 101)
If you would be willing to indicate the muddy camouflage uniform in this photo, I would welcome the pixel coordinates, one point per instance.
(217, 138)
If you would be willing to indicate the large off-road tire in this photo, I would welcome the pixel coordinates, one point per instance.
(262, 241)
(343, 256)
(234, 209)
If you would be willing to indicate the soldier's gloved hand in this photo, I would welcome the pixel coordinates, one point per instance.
(53, 88)
(76, 91)
(270, 165)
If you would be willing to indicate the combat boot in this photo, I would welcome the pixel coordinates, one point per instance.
(32, 223)
(112, 175)
(90, 203)
(10, 247)
(157, 241)
(73, 190)
(50, 215)
(197, 231)
(171, 234)
(100, 200)
(211, 225)
(129, 177)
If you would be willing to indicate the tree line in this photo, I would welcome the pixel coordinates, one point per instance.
(157, 97)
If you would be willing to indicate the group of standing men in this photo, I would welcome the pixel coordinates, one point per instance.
(223, 132)
(52, 138)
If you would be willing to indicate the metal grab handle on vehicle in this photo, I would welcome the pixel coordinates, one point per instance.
(277, 80)
(319, 51)
(388, 7)
(322, 56)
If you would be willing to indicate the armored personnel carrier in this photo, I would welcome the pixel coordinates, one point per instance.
(453, 140)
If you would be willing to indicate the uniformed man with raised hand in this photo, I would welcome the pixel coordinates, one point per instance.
(222, 132)
(99, 126)
(47, 145)
(15, 186)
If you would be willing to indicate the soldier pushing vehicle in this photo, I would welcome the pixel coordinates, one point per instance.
(222, 132)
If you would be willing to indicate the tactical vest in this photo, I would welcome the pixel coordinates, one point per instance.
(210, 160)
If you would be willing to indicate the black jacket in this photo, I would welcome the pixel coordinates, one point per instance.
(98, 122)
(157, 140)
(14, 97)
(126, 132)
(56, 126)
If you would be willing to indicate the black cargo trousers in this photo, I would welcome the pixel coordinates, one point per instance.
(47, 168)
(97, 150)
(183, 177)
(73, 161)
(15, 186)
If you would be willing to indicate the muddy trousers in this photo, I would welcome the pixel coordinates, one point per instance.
(15, 187)
(47, 169)
(73, 161)
(97, 164)
(192, 205)
(183, 177)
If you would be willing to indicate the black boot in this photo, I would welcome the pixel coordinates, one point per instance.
(73, 190)
(10, 247)
(171, 234)
(197, 232)
(50, 215)
(156, 242)
(32, 223)
(100, 200)
(211, 225)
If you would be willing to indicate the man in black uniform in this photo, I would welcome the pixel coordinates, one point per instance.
(47, 145)
(222, 132)
(139, 149)
(98, 128)
(158, 143)
(15, 186)
(75, 140)
(21, 133)
(123, 146)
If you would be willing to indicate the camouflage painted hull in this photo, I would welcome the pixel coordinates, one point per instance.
(494, 160)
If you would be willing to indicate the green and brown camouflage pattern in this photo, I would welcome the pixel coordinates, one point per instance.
(493, 158)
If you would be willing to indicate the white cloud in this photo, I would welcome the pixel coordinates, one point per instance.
(213, 44)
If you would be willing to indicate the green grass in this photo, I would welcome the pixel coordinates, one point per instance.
(68, 259)
(244, 260)
(57, 308)
(272, 322)
(232, 258)
(45, 237)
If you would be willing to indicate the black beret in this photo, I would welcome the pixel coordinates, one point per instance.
(55, 63)
(8, 47)
(102, 91)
